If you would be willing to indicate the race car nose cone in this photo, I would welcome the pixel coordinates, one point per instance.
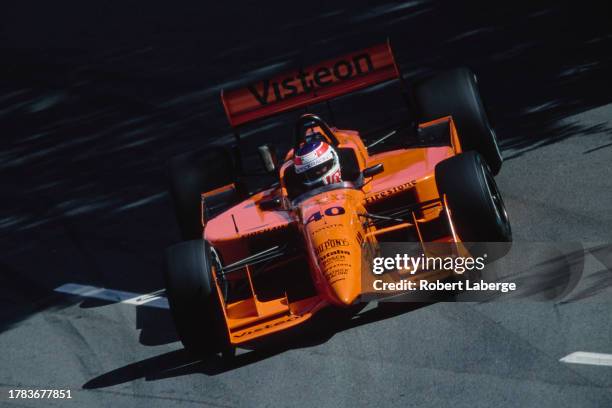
(345, 293)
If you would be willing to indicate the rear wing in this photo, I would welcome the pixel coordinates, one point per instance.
(317, 83)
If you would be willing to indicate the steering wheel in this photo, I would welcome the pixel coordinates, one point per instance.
(307, 121)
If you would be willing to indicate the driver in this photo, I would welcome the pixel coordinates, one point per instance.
(317, 164)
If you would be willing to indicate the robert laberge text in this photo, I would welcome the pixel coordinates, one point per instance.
(423, 284)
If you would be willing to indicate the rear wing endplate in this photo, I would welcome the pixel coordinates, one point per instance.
(307, 86)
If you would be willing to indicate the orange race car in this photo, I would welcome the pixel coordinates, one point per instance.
(255, 264)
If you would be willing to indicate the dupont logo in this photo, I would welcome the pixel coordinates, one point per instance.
(305, 81)
(331, 243)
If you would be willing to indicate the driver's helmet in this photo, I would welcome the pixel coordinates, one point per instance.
(317, 163)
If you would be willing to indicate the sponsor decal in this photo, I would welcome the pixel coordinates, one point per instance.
(333, 260)
(333, 253)
(287, 319)
(303, 82)
(336, 275)
(330, 197)
(331, 243)
(339, 265)
(325, 227)
(334, 178)
(310, 85)
(390, 192)
(265, 230)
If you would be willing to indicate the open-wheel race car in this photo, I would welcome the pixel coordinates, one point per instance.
(257, 263)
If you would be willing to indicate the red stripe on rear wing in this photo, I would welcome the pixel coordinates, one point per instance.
(314, 84)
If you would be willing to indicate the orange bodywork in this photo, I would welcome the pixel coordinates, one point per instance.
(331, 232)
(328, 230)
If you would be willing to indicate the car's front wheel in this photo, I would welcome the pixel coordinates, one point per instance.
(193, 298)
(476, 205)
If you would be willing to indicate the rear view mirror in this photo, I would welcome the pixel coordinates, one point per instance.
(271, 204)
(268, 157)
(374, 170)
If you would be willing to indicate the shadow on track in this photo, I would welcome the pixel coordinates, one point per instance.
(179, 362)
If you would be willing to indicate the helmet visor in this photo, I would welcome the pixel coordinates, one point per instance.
(318, 171)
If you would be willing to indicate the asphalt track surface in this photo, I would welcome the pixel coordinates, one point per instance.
(92, 105)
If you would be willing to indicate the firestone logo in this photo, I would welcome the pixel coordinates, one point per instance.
(391, 191)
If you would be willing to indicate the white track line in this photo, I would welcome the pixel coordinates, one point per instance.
(584, 357)
(154, 299)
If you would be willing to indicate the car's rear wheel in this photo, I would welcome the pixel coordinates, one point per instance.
(193, 298)
(192, 174)
(476, 206)
(455, 92)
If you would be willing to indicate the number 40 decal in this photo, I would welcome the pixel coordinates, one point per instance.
(331, 211)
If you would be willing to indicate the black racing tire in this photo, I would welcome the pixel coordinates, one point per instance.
(192, 174)
(194, 302)
(477, 208)
(455, 92)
